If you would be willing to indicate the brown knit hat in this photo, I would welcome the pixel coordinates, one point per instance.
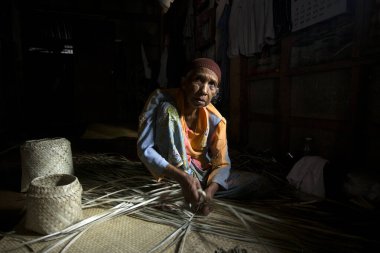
(208, 64)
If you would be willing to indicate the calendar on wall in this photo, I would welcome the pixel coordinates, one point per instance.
(309, 12)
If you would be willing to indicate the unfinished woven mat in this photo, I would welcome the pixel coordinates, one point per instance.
(125, 234)
(45, 157)
(53, 203)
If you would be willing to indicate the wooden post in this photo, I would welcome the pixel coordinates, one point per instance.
(237, 82)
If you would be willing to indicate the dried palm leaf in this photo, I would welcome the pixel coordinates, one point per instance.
(284, 223)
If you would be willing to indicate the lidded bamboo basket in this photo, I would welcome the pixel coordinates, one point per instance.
(53, 203)
(45, 157)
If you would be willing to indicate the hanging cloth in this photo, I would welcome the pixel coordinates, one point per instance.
(307, 175)
(250, 26)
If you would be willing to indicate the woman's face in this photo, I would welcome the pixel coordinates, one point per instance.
(200, 87)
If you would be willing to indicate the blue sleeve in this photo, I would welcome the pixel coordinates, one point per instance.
(145, 142)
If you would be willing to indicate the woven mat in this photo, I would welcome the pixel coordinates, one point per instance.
(128, 234)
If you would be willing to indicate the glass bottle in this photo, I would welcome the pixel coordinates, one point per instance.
(307, 146)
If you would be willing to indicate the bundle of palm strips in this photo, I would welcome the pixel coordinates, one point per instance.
(122, 187)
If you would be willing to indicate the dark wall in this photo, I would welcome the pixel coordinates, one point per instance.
(66, 64)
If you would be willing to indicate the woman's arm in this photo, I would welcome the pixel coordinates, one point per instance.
(221, 165)
(145, 142)
(220, 160)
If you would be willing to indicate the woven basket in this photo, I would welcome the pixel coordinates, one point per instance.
(45, 157)
(53, 203)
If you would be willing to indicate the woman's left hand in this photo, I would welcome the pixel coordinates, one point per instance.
(210, 191)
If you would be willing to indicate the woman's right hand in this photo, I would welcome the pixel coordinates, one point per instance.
(188, 183)
(190, 186)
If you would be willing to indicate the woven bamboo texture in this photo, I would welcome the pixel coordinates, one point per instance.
(126, 234)
(160, 223)
(53, 203)
(45, 157)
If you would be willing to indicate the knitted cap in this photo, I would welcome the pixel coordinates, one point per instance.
(208, 64)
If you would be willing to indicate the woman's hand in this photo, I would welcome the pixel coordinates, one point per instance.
(210, 191)
(189, 184)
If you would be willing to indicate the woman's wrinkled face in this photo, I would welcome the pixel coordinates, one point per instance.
(200, 87)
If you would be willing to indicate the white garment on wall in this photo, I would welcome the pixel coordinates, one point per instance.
(250, 26)
(165, 4)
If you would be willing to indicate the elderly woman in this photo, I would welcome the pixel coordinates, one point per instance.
(182, 136)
